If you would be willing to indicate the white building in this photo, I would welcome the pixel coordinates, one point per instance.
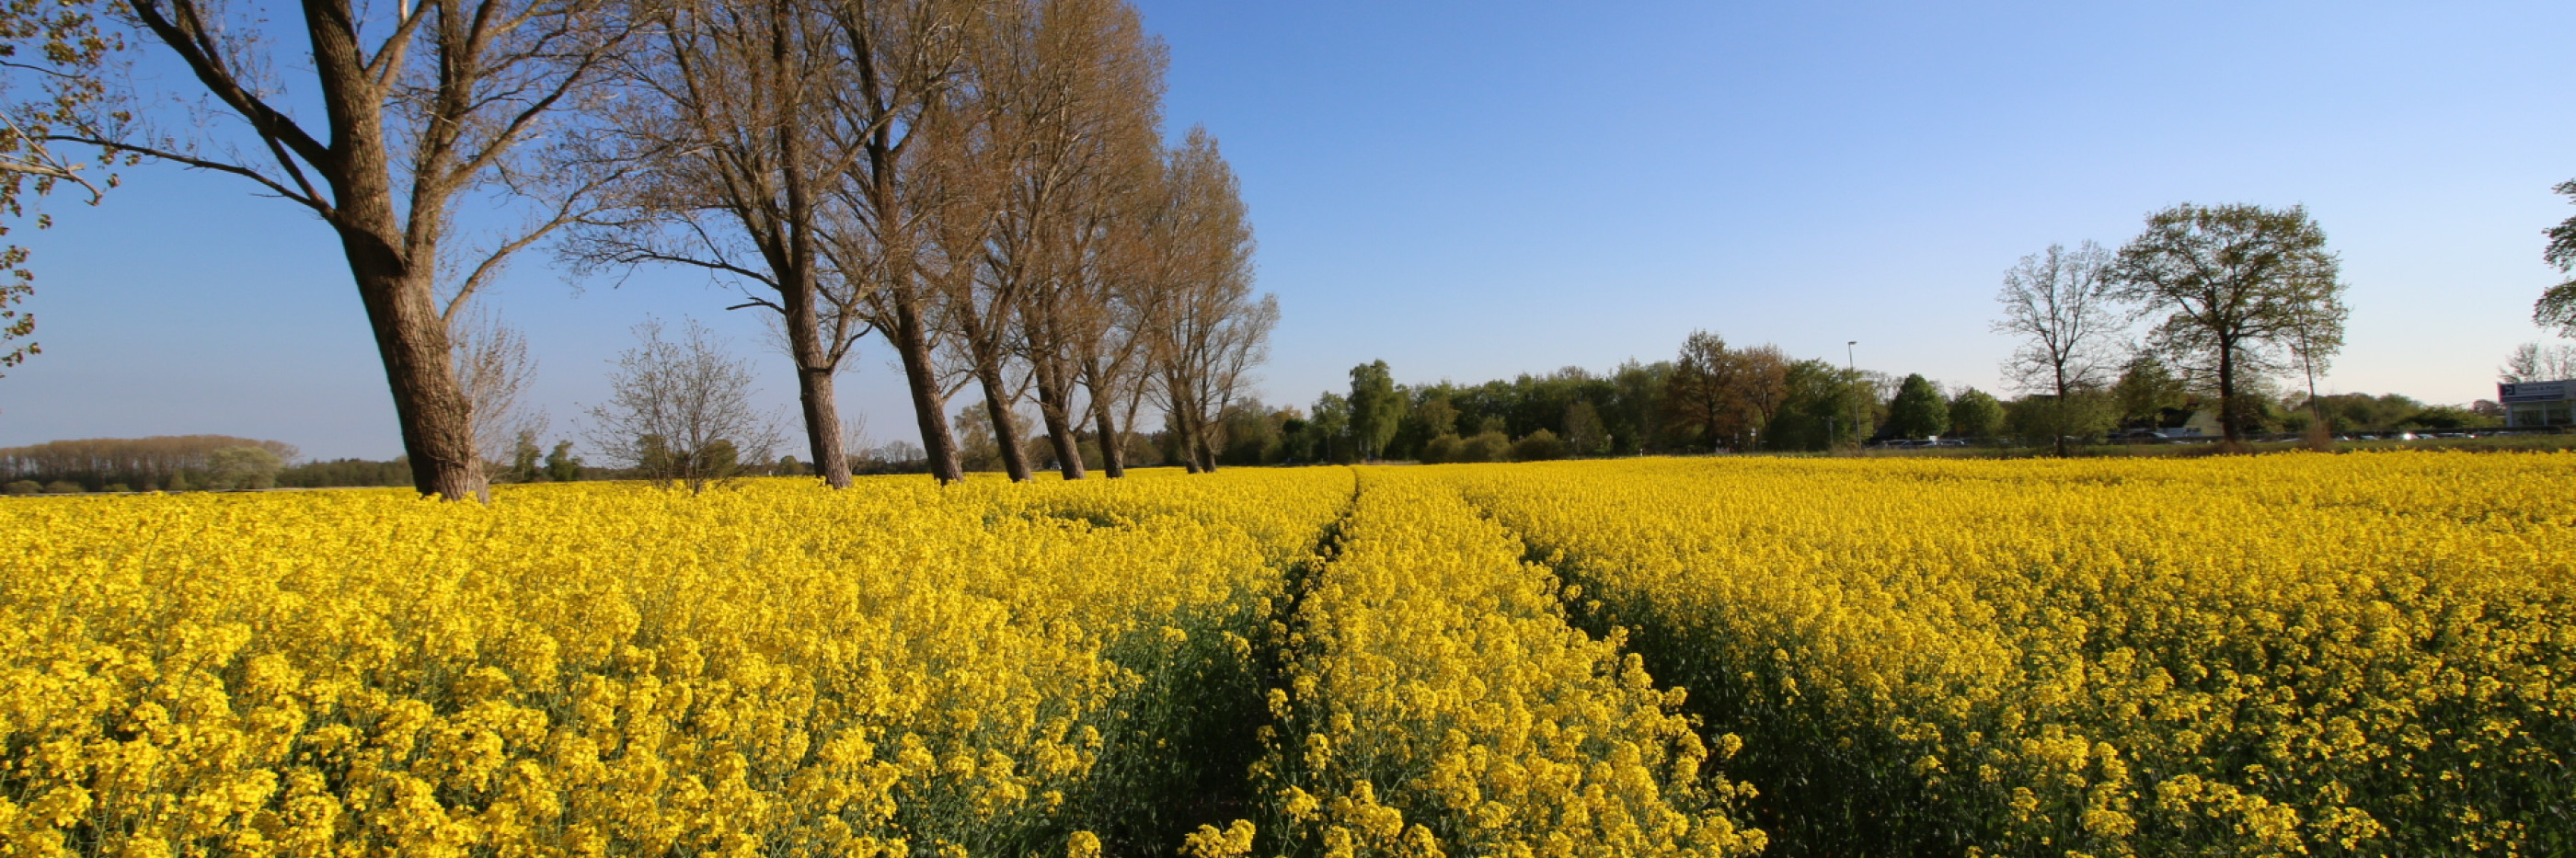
(2534, 404)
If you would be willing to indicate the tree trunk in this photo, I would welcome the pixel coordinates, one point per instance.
(411, 339)
(997, 408)
(814, 384)
(2057, 427)
(797, 289)
(1113, 446)
(395, 272)
(912, 346)
(1203, 446)
(2230, 423)
(1184, 441)
(1052, 395)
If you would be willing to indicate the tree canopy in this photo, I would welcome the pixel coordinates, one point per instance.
(2238, 286)
(1918, 411)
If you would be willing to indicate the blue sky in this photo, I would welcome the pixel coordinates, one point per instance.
(1476, 190)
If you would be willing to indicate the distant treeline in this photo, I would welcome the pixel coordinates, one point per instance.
(158, 463)
(183, 463)
(1716, 397)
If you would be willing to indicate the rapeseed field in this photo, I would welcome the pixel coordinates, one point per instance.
(2281, 655)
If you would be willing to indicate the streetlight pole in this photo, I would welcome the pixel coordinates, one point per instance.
(1851, 366)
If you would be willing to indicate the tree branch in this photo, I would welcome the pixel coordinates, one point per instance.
(317, 205)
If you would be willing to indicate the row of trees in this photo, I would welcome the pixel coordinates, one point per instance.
(1713, 397)
(984, 183)
(165, 462)
(2232, 297)
(1634, 408)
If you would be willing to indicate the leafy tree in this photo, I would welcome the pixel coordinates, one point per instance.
(1976, 414)
(235, 468)
(1487, 446)
(1584, 435)
(2145, 389)
(1695, 398)
(2556, 308)
(561, 465)
(2059, 421)
(1918, 410)
(1431, 417)
(1254, 434)
(1635, 405)
(1375, 408)
(1329, 427)
(1444, 448)
(2362, 412)
(148, 462)
(2447, 417)
(1827, 406)
(1538, 446)
(1724, 396)
(345, 472)
(1428, 418)
(22, 487)
(524, 458)
(2239, 285)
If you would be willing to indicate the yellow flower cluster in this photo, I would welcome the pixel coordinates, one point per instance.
(2293, 654)
(599, 669)
(1438, 704)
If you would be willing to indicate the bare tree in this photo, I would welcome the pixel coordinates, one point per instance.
(2537, 362)
(1728, 395)
(2059, 303)
(423, 106)
(964, 194)
(2237, 283)
(729, 119)
(681, 410)
(1074, 88)
(905, 58)
(1103, 326)
(494, 370)
(2315, 337)
(1206, 330)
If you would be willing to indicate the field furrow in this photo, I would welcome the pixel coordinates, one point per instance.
(1437, 704)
